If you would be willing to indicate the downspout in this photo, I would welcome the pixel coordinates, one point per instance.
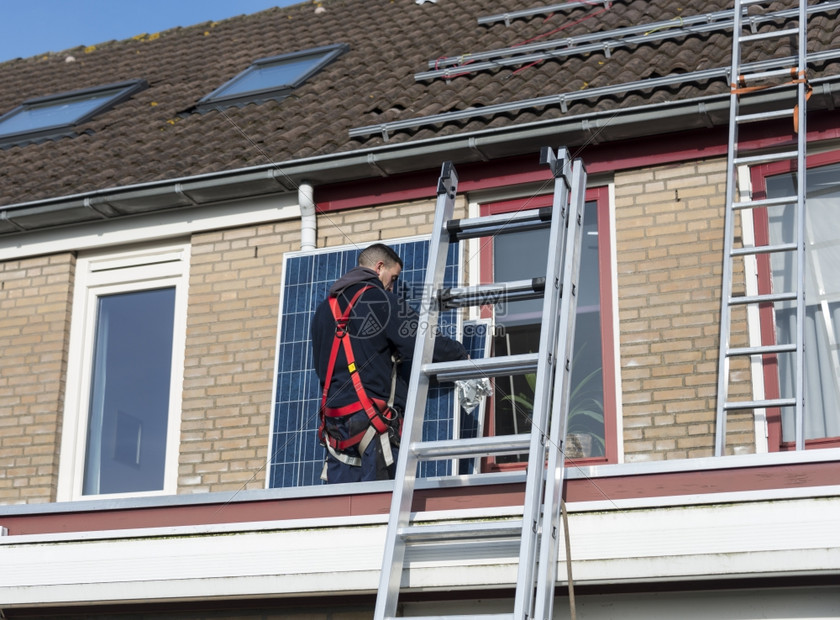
(308, 225)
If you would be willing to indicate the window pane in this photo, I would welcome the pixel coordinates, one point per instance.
(57, 113)
(519, 256)
(822, 298)
(129, 400)
(273, 77)
(265, 77)
(522, 255)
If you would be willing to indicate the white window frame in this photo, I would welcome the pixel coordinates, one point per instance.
(105, 273)
(233, 93)
(36, 128)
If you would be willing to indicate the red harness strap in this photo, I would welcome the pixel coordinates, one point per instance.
(378, 412)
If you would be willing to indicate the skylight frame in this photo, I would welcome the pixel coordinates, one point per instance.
(121, 91)
(226, 95)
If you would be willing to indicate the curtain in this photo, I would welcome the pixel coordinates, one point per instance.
(822, 298)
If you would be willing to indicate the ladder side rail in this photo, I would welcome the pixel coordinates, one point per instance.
(798, 158)
(801, 171)
(406, 470)
(550, 542)
(535, 474)
(728, 236)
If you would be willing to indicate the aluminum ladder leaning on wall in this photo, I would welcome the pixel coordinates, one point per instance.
(533, 539)
(746, 80)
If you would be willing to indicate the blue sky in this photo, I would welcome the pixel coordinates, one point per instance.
(32, 27)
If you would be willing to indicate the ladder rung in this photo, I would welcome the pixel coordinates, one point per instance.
(761, 350)
(483, 367)
(763, 75)
(765, 116)
(768, 35)
(760, 159)
(764, 249)
(760, 299)
(476, 446)
(483, 530)
(502, 223)
(491, 293)
(765, 202)
(760, 404)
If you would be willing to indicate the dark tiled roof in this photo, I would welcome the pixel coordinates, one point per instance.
(156, 135)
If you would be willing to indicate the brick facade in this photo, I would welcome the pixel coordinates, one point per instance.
(35, 301)
(668, 244)
(365, 226)
(669, 240)
(235, 280)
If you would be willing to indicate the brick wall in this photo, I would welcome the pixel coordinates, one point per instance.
(35, 302)
(365, 226)
(235, 280)
(668, 236)
(669, 240)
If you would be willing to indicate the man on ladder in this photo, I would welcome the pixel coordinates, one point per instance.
(363, 338)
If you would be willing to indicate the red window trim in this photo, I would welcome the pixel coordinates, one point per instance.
(599, 195)
(253, 506)
(767, 328)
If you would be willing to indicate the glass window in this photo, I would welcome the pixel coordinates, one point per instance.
(48, 116)
(272, 78)
(822, 299)
(522, 255)
(122, 410)
(129, 399)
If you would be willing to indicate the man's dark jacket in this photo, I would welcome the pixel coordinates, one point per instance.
(381, 325)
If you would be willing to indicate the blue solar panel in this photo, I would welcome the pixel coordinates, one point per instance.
(296, 458)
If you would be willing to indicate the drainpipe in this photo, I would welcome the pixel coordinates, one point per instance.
(308, 227)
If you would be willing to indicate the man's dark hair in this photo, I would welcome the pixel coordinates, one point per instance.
(379, 252)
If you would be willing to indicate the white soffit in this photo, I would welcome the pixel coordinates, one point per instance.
(677, 543)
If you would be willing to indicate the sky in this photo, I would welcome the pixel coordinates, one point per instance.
(32, 27)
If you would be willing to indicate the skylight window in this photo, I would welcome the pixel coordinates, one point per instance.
(52, 116)
(272, 78)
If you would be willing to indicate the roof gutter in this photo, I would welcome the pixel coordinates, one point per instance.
(387, 160)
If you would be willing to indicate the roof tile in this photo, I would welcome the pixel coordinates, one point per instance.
(157, 135)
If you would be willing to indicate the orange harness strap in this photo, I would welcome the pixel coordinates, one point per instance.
(740, 87)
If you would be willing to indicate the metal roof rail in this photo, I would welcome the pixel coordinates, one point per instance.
(584, 38)
(563, 98)
(453, 66)
(542, 10)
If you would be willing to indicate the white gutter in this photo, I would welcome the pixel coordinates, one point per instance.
(308, 224)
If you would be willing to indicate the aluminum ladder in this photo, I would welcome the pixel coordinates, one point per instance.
(789, 83)
(531, 540)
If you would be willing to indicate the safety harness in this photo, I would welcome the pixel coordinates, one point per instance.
(380, 413)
